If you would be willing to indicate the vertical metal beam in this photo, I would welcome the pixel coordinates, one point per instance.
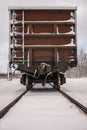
(9, 54)
(57, 57)
(76, 32)
(28, 63)
(13, 26)
(30, 56)
(55, 28)
(23, 33)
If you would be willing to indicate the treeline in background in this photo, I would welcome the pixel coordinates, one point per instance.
(81, 69)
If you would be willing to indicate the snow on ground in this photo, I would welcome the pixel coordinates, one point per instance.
(9, 90)
(43, 109)
(77, 88)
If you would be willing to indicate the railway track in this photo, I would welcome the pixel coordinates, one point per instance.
(78, 104)
(10, 105)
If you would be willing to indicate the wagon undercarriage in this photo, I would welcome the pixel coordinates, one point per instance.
(43, 75)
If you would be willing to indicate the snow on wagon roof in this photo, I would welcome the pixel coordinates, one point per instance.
(42, 8)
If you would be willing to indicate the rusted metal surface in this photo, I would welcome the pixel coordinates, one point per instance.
(41, 34)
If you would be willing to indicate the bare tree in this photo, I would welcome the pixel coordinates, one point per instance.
(82, 63)
(81, 69)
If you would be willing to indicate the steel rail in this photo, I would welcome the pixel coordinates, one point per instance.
(10, 105)
(78, 104)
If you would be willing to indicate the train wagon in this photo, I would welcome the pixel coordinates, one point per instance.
(42, 43)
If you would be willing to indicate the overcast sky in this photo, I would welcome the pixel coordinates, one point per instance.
(4, 22)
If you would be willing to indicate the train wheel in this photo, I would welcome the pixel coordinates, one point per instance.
(57, 83)
(23, 79)
(28, 83)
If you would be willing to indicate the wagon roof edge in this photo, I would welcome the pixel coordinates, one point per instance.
(42, 8)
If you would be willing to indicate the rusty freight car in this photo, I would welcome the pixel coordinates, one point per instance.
(42, 43)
